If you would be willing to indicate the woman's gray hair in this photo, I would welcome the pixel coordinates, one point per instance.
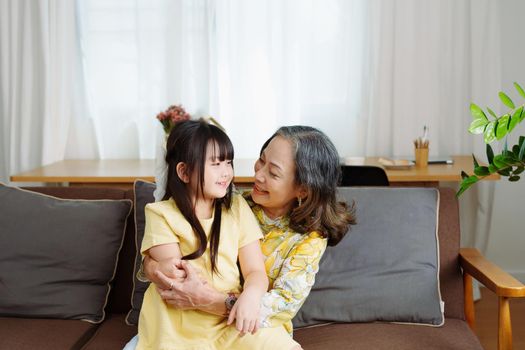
(316, 158)
(317, 168)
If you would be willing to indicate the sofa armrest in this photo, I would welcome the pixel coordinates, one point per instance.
(493, 277)
(474, 264)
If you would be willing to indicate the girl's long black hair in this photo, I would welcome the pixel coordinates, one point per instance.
(187, 143)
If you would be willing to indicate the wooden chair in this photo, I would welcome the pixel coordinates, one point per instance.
(474, 264)
(363, 175)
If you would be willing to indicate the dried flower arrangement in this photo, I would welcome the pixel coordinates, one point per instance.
(171, 116)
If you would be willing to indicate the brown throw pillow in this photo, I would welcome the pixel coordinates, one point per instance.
(58, 256)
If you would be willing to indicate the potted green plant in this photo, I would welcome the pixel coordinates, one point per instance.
(510, 162)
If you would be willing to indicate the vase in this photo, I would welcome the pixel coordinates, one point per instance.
(161, 169)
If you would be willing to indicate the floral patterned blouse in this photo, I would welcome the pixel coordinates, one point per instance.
(291, 261)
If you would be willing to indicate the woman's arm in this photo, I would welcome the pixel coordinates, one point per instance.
(195, 293)
(246, 309)
(294, 282)
(188, 289)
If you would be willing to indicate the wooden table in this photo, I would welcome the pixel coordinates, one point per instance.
(429, 176)
(111, 172)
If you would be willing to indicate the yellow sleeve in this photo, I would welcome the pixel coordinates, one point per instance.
(157, 230)
(249, 227)
(294, 282)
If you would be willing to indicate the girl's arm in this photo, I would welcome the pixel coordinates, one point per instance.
(166, 258)
(159, 244)
(164, 252)
(246, 309)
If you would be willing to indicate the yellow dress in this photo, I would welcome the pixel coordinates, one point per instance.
(162, 327)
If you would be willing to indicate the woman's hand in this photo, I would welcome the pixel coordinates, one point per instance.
(169, 267)
(246, 311)
(192, 292)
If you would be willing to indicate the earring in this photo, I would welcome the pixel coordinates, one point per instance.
(300, 200)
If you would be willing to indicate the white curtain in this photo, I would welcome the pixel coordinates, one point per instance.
(427, 60)
(368, 73)
(288, 62)
(38, 83)
(124, 55)
(252, 65)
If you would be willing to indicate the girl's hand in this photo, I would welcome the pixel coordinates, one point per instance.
(245, 312)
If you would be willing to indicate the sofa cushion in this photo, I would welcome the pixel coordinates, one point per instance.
(113, 333)
(59, 255)
(387, 267)
(453, 335)
(122, 285)
(143, 195)
(43, 334)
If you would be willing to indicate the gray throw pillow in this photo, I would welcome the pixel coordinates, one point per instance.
(58, 256)
(387, 267)
(143, 192)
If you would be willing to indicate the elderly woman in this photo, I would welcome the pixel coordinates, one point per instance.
(294, 201)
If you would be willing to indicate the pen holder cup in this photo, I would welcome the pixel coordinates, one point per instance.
(421, 157)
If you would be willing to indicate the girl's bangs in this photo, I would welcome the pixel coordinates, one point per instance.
(222, 146)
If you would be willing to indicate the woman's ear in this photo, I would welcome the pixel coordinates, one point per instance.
(302, 192)
(182, 172)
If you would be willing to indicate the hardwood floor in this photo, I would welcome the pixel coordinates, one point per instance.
(487, 320)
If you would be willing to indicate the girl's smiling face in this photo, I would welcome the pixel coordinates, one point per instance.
(217, 174)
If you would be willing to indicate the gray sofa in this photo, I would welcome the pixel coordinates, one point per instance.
(455, 266)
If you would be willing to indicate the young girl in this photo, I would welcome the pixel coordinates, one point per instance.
(201, 221)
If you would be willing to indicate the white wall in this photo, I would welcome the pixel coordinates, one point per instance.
(506, 244)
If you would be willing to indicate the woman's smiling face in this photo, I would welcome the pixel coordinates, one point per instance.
(275, 188)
